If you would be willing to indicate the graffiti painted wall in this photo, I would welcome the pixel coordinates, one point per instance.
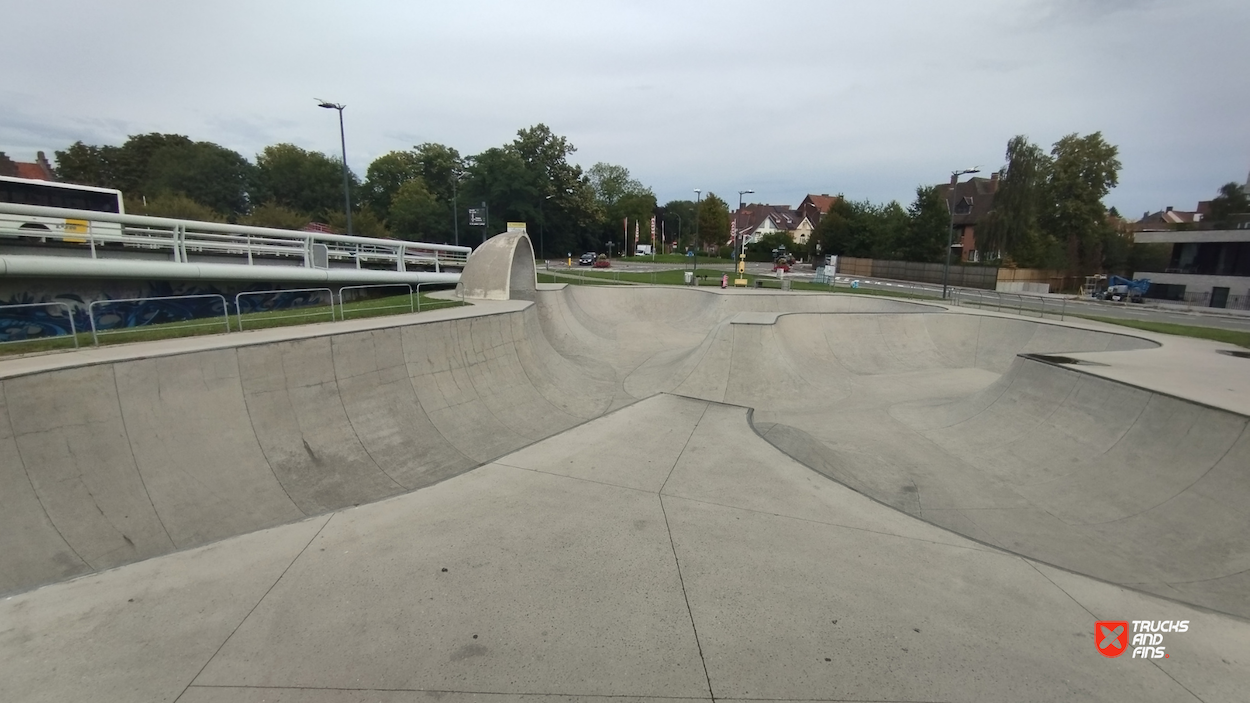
(37, 308)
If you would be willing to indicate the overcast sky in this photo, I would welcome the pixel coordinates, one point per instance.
(866, 98)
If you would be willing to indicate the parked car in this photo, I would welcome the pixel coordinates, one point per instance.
(602, 262)
(588, 259)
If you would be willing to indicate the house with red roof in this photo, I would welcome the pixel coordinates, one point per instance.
(39, 169)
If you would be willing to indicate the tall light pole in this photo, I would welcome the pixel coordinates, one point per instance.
(455, 207)
(950, 233)
(347, 198)
(698, 199)
(739, 237)
(542, 227)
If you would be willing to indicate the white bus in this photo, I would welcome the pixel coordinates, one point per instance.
(25, 191)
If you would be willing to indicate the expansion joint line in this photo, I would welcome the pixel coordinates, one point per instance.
(698, 643)
(673, 545)
(254, 607)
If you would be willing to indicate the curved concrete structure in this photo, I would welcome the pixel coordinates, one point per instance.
(685, 419)
(501, 269)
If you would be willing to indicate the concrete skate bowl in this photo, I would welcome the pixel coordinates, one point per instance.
(938, 415)
(925, 410)
(108, 464)
(942, 416)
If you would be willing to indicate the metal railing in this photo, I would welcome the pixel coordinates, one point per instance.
(161, 310)
(238, 307)
(27, 324)
(410, 305)
(184, 239)
(1204, 300)
(1018, 303)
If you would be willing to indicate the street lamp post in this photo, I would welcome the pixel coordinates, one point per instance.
(542, 227)
(739, 237)
(698, 199)
(455, 206)
(950, 233)
(347, 198)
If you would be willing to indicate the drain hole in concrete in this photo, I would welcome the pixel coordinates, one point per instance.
(1238, 354)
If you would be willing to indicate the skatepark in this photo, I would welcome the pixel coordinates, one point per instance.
(650, 493)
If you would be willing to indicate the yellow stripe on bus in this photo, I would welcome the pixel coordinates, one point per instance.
(75, 227)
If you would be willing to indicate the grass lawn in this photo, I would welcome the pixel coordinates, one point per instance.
(375, 307)
(710, 277)
(1241, 339)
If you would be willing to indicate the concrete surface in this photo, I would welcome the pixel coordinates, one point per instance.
(720, 568)
(501, 269)
(630, 491)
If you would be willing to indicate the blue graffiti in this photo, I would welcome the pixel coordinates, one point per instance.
(46, 318)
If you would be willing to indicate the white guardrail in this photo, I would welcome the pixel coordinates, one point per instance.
(1019, 303)
(101, 233)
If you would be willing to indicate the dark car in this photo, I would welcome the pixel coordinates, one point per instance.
(588, 259)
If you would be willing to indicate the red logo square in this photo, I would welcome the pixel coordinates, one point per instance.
(1111, 637)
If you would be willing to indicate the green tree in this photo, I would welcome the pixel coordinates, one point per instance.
(385, 176)
(441, 167)
(415, 213)
(564, 206)
(86, 165)
(1083, 171)
(174, 205)
(859, 228)
(1014, 225)
(364, 224)
(928, 228)
(500, 178)
(611, 183)
(133, 160)
(307, 181)
(713, 222)
(205, 172)
(1231, 201)
(763, 249)
(275, 216)
(680, 217)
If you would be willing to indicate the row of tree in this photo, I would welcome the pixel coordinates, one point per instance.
(1048, 211)
(421, 194)
(886, 231)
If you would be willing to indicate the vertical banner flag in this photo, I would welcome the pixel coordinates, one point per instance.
(733, 232)
(635, 234)
(625, 225)
(653, 231)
